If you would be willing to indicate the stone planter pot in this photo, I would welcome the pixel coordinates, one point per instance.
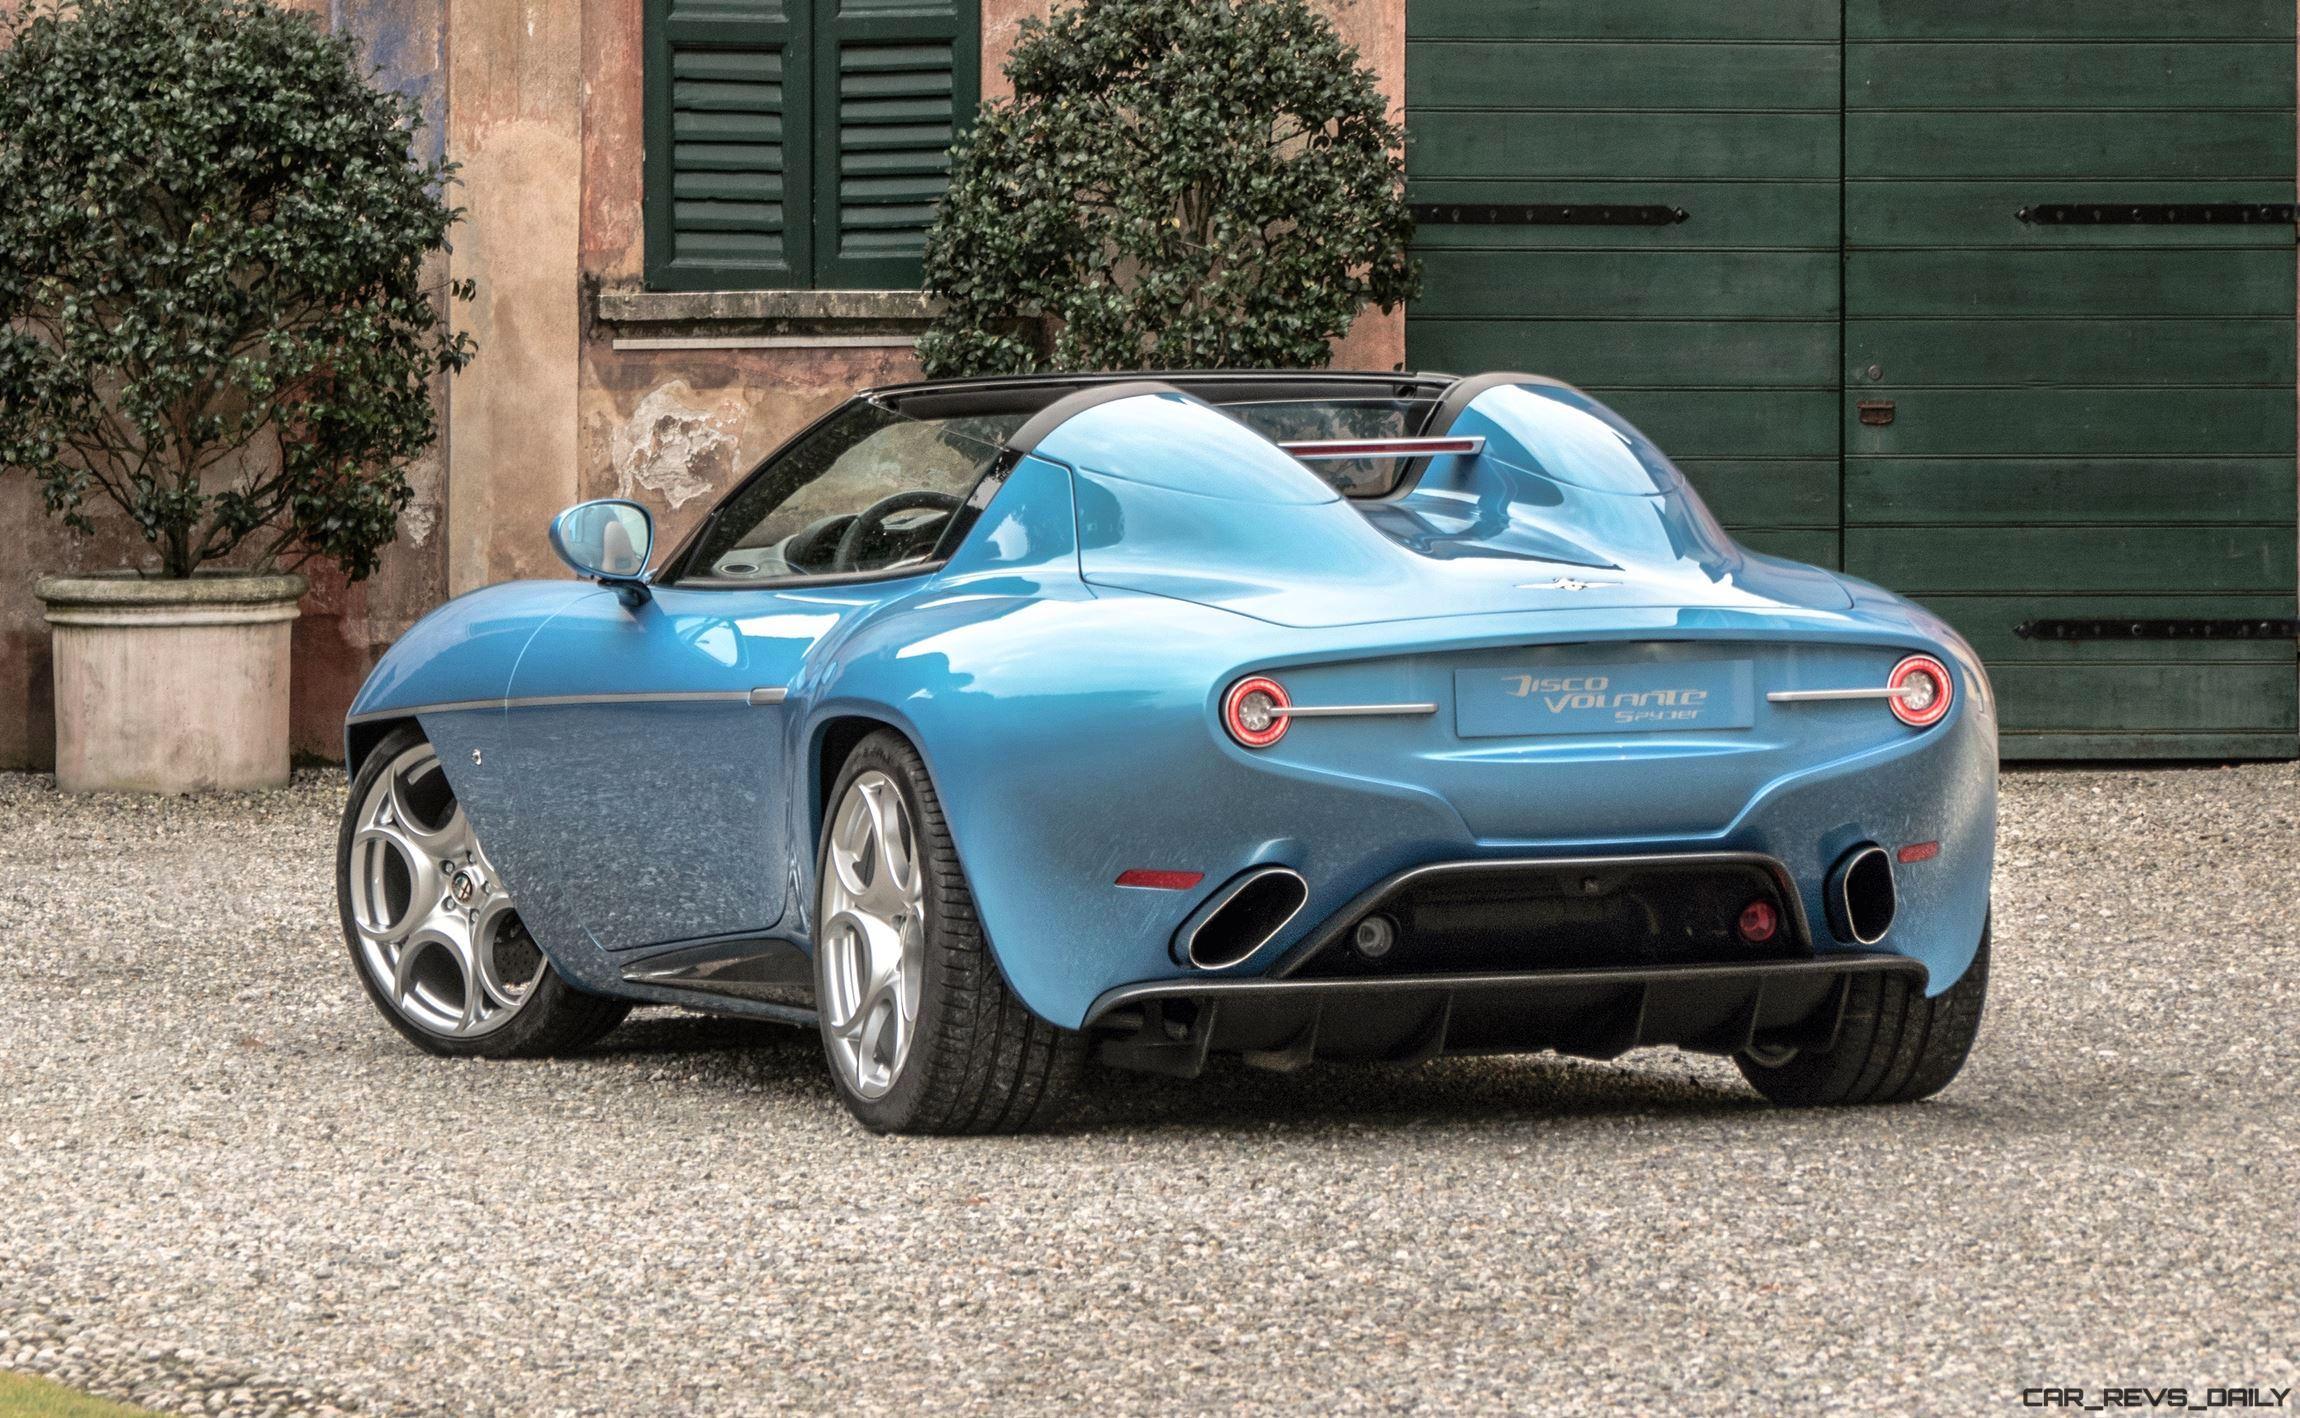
(171, 686)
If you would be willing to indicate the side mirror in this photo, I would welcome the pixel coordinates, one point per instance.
(609, 541)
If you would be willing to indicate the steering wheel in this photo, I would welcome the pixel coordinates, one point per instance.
(804, 550)
(870, 522)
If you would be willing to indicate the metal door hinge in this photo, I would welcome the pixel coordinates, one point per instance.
(2158, 629)
(2160, 214)
(1545, 214)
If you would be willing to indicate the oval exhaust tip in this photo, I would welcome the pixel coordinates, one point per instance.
(1862, 896)
(1243, 916)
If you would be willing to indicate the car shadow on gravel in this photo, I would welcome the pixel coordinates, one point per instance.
(1230, 1093)
(1491, 1090)
(682, 1033)
(1655, 1085)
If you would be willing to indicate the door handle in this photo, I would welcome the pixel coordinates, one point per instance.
(1876, 413)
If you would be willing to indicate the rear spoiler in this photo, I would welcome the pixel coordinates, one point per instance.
(1333, 448)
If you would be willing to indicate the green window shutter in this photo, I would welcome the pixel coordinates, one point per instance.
(728, 182)
(894, 82)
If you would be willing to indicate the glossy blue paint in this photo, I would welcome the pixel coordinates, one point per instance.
(1476, 536)
(672, 778)
(465, 650)
(1061, 674)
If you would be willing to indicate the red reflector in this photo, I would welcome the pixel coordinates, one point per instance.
(1758, 922)
(1919, 852)
(1160, 880)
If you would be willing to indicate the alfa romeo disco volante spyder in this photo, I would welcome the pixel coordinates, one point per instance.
(991, 727)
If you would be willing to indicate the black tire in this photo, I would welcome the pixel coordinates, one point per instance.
(979, 1061)
(555, 1019)
(1894, 1046)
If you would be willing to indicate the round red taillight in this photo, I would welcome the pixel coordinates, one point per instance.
(1251, 711)
(1925, 691)
(1758, 922)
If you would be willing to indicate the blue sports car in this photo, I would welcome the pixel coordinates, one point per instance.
(993, 727)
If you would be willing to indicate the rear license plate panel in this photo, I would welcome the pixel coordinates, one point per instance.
(1600, 698)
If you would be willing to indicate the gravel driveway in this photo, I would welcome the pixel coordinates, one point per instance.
(227, 1183)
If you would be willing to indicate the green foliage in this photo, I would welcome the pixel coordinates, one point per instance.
(212, 308)
(1176, 184)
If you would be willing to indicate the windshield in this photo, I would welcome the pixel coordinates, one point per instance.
(869, 490)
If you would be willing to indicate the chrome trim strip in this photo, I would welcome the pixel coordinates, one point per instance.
(1221, 900)
(769, 694)
(675, 696)
(1311, 450)
(561, 701)
(1337, 711)
(1815, 696)
(449, 706)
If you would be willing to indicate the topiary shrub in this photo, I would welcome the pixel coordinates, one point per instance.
(1176, 184)
(212, 309)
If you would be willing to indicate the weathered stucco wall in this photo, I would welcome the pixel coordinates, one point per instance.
(1378, 29)
(343, 628)
(671, 428)
(541, 103)
(515, 124)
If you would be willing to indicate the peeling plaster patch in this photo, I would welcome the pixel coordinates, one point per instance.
(417, 519)
(420, 517)
(676, 443)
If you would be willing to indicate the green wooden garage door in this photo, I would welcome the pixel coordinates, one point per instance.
(1720, 335)
(2089, 419)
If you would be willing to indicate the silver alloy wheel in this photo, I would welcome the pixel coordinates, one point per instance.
(437, 932)
(873, 939)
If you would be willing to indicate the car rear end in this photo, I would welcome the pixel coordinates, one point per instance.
(1697, 840)
(1518, 751)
